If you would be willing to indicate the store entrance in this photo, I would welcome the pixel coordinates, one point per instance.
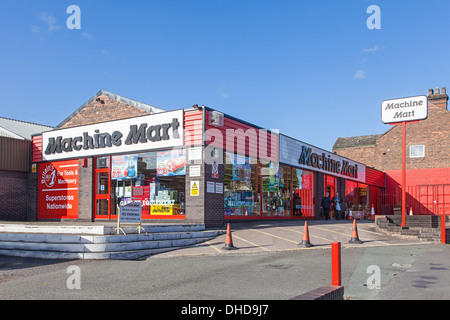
(102, 194)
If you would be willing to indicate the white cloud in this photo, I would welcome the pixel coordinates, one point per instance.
(371, 50)
(105, 52)
(36, 30)
(87, 36)
(50, 21)
(360, 74)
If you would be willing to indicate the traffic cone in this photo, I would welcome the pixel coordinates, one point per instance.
(229, 241)
(350, 215)
(355, 238)
(372, 213)
(410, 212)
(305, 241)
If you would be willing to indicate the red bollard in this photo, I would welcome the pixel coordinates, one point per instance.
(336, 264)
(443, 229)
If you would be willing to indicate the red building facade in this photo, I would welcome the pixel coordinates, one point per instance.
(195, 165)
(427, 159)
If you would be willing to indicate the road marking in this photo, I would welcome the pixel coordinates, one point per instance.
(311, 235)
(212, 246)
(253, 244)
(296, 242)
(344, 234)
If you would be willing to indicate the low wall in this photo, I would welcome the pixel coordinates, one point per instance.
(323, 293)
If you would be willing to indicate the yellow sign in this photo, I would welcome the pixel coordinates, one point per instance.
(158, 209)
(194, 188)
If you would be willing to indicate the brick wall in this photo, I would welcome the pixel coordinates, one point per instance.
(387, 153)
(363, 154)
(103, 109)
(214, 202)
(13, 196)
(207, 207)
(86, 191)
(195, 205)
(32, 196)
(433, 133)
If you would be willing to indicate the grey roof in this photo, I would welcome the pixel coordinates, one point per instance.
(114, 96)
(359, 141)
(20, 129)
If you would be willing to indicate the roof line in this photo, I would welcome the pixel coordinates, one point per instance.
(37, 124)
(116, 97)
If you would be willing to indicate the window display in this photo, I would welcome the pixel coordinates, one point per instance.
(303, 186)
(356, 199)
(276, 190)
(241, 186)
(260, 190)
(156, 179)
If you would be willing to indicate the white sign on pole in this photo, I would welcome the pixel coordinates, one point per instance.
(404, 109)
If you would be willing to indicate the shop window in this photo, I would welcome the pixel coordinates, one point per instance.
(156, 179)
(276, 185)
(303, 186)
(356, 195)
(241, 186)
(330, 185)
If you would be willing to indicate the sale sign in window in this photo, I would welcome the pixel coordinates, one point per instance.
(58, 190)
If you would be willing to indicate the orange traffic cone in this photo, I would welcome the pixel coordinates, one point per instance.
(372, 213)
(355, 238)
(229, 241)
(305, 241)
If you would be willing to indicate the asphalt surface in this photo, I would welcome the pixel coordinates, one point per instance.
(268, 264)
(271, 236)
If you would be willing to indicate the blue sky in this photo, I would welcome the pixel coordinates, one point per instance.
(311, 69)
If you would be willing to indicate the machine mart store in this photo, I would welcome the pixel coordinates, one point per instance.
(194, 166)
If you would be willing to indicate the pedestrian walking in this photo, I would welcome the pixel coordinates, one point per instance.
(326, 205)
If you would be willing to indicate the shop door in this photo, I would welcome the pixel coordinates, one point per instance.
(102, 189)
(102, 198)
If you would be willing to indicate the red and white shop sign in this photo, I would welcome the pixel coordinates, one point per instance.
(58, 190)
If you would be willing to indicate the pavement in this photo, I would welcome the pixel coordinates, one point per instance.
(268, 264)
(270, 236)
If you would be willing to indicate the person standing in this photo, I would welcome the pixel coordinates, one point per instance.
(337, 204)
(325, 205)
(297, 205)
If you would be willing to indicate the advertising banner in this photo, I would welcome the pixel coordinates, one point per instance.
(171, 163)
(58, 190)
(124, 167)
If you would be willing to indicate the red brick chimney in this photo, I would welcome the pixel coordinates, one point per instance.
(438, 99)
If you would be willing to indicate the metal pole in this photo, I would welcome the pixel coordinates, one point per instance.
(404, 175)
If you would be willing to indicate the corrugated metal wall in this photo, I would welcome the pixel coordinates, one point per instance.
(375, 177)
(37, 148)
(193, 128)
(15, 154)
(252, 145)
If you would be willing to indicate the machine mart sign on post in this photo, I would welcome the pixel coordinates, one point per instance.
(401, 111)
(404, 109)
